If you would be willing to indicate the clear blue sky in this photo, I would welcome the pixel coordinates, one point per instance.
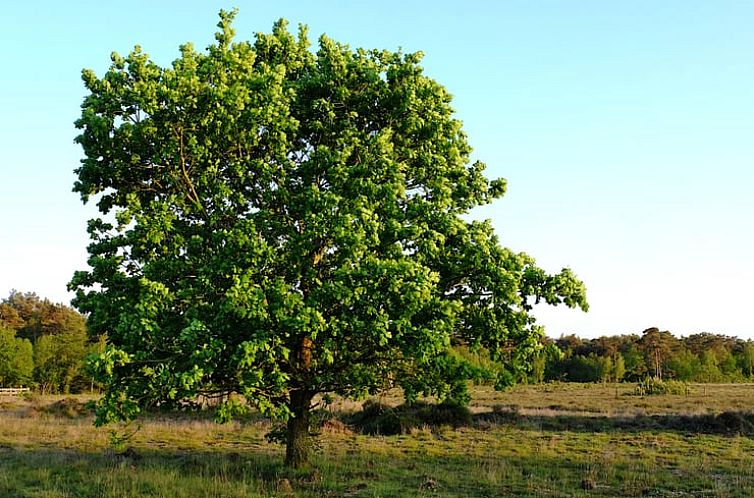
(625, 129)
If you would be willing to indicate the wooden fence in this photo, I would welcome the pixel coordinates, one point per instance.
(13, 391)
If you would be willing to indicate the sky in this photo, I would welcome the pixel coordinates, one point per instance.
(625, 131)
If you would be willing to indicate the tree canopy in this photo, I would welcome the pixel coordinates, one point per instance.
(32, 317)
(279, 222)
(701, 357)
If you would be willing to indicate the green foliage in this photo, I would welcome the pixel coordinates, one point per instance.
(619, 368)
(32, 317)
(16, 359)
(52, 344)
(685, 366)
(698, 358)
(746, 359)
(544, 362)
(538, 366)
(376, 418)
(657, 347)
(636, 368)
(484, 370)
(709, 370)
(580, 368)
(278, 222)
(59, 361)
(651, 386)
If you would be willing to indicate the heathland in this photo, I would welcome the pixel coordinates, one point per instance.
(549, 440)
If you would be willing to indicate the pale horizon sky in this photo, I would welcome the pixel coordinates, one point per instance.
(625, 131)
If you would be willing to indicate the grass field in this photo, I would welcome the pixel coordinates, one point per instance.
(558, 440)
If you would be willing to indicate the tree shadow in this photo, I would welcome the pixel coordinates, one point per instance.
(138, 471)
(385, 420)
(729, 423)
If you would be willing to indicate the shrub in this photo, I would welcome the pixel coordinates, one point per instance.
(70, 408)
(377, 418)
(652, 387)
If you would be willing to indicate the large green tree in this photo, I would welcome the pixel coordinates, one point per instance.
(281, 223)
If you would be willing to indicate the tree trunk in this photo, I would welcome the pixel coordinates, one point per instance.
(298, 442)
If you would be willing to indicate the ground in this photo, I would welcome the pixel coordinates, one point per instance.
(555, 440)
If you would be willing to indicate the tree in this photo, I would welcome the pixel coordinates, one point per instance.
(16, 362)
(607, 368)
(684, 365)
(9, 317)
(657, 346)
(589, 368)
(56, 341)
(746, 359)
(619, 367)
(546, 362)
(636, 367)
(59, 359)
(606, 345)
(280, 224)
(709, 371)
(32, 317)
(570, 344)
(705, 341)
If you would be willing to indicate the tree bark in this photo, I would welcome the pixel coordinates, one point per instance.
(298, 442)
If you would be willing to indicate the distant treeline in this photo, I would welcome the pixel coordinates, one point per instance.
(44, 345)
(702, 357)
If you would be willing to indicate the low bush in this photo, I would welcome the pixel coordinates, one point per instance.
(70, 408)
(377, 418)
(653, 387)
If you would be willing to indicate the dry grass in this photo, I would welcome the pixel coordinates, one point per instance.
(615, 399)
(543, 441)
